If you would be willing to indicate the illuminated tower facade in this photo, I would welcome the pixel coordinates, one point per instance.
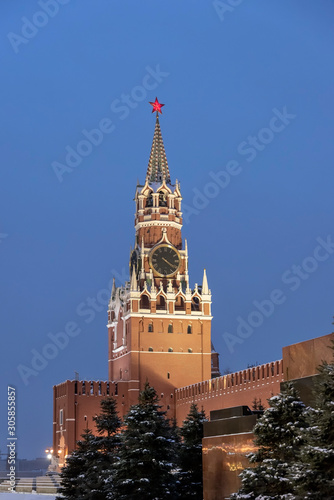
(159, 326)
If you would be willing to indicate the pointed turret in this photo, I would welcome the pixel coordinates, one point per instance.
(186, 252)
(205, 287)
(215, 372)
(157, 170)
(142, 258)
(133, 284)
(157, 199)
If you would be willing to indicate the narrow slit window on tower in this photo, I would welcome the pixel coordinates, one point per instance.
(149, 201)
(83, 388)
(161, 303)
(144, 302)
(60, 417)
(195, 304)
(189, 329)
(162, 199)
(179, 305)
(170, 328)
(150, 327)
(168, 375)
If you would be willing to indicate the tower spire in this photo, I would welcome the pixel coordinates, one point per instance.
(113, 290)
(205, 287)
(157, 170)
(133, 284)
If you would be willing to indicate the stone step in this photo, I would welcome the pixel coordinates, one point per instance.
(42, 484)
(47, 484)
(4, 485)
(24, 485)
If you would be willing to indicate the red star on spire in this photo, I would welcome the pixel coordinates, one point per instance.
(156, 106)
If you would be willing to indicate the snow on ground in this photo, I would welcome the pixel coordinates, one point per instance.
(25, 496)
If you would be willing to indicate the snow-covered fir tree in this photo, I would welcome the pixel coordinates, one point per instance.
(278, 436)
(147, 465)
(107, 444)
(88, 471)
(79, 478)
(316, 478)
(108, 424)
(191, 479)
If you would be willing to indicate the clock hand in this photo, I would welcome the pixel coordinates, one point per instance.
(169, 263)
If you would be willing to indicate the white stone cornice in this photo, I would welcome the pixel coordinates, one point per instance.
(120, 348)
(161, 315)
(113, 324)
(170, 353)
(150, 223)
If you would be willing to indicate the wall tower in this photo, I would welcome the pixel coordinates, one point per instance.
(159, 326)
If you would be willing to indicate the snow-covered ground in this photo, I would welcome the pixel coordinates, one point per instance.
(25, 496)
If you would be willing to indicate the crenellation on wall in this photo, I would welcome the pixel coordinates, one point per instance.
(238, 388)
(77, 402)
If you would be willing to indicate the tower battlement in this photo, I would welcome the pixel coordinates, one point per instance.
(233, 389)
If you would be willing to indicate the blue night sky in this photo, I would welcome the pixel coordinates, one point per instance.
(247, 127)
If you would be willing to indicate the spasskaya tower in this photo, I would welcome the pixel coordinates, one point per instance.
(159, 322)
(159, 325)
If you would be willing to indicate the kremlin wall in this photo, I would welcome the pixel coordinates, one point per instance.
(79, 401)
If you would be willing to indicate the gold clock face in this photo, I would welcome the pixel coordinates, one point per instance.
(165, 260)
